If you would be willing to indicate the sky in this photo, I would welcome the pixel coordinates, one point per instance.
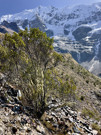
(16, 6)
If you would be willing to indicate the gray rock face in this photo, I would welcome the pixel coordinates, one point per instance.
(3, 30)
(98, 95)
(81, 32)
(66, 32)
(25, 23)
(37, 23)
(12, 25)
(49, 33)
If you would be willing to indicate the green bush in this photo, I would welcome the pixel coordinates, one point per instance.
(25, 57)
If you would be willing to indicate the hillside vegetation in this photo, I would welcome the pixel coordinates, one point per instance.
(28, 61)
(88, 86)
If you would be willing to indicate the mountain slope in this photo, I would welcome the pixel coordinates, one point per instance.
(78, 116)
(87, 85)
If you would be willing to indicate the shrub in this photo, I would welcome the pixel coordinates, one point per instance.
(25, 57)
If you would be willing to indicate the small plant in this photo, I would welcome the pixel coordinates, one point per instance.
(96, 126)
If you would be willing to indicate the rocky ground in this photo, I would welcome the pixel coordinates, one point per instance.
(16, 119)
(58, 119)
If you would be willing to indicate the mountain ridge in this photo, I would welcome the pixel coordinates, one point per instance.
(75, 30)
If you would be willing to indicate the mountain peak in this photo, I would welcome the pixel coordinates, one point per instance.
(77, 28)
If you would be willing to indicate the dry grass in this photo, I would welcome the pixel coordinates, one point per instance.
(85, 82)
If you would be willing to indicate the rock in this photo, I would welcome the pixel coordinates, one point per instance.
(98, 95)
(2, 79)
(18, 119)
(19, 95)
(87, 130)
(86, 125)
(62, 113)
(90, 128)
(76, 130)
(29, 121)
(17, 109)
(40, 129)
(1, 131)
(12, 92)
(75, 134)
(70, 119)
(28, 130)
(53, 114)
(58, 109)
(95, 132)
(23, 121)
(55, 126)
(34, 125)
(17, 101)
(62, 124)
(3, 99)
(71, 112)
(14, 130)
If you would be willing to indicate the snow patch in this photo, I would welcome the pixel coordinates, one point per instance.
(97, 49)
(78, 57)
(93, 64)
(95, 30)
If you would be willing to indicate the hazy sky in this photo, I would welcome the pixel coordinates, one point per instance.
(15, 6)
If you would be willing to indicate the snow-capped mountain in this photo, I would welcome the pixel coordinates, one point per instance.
(75, 29)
